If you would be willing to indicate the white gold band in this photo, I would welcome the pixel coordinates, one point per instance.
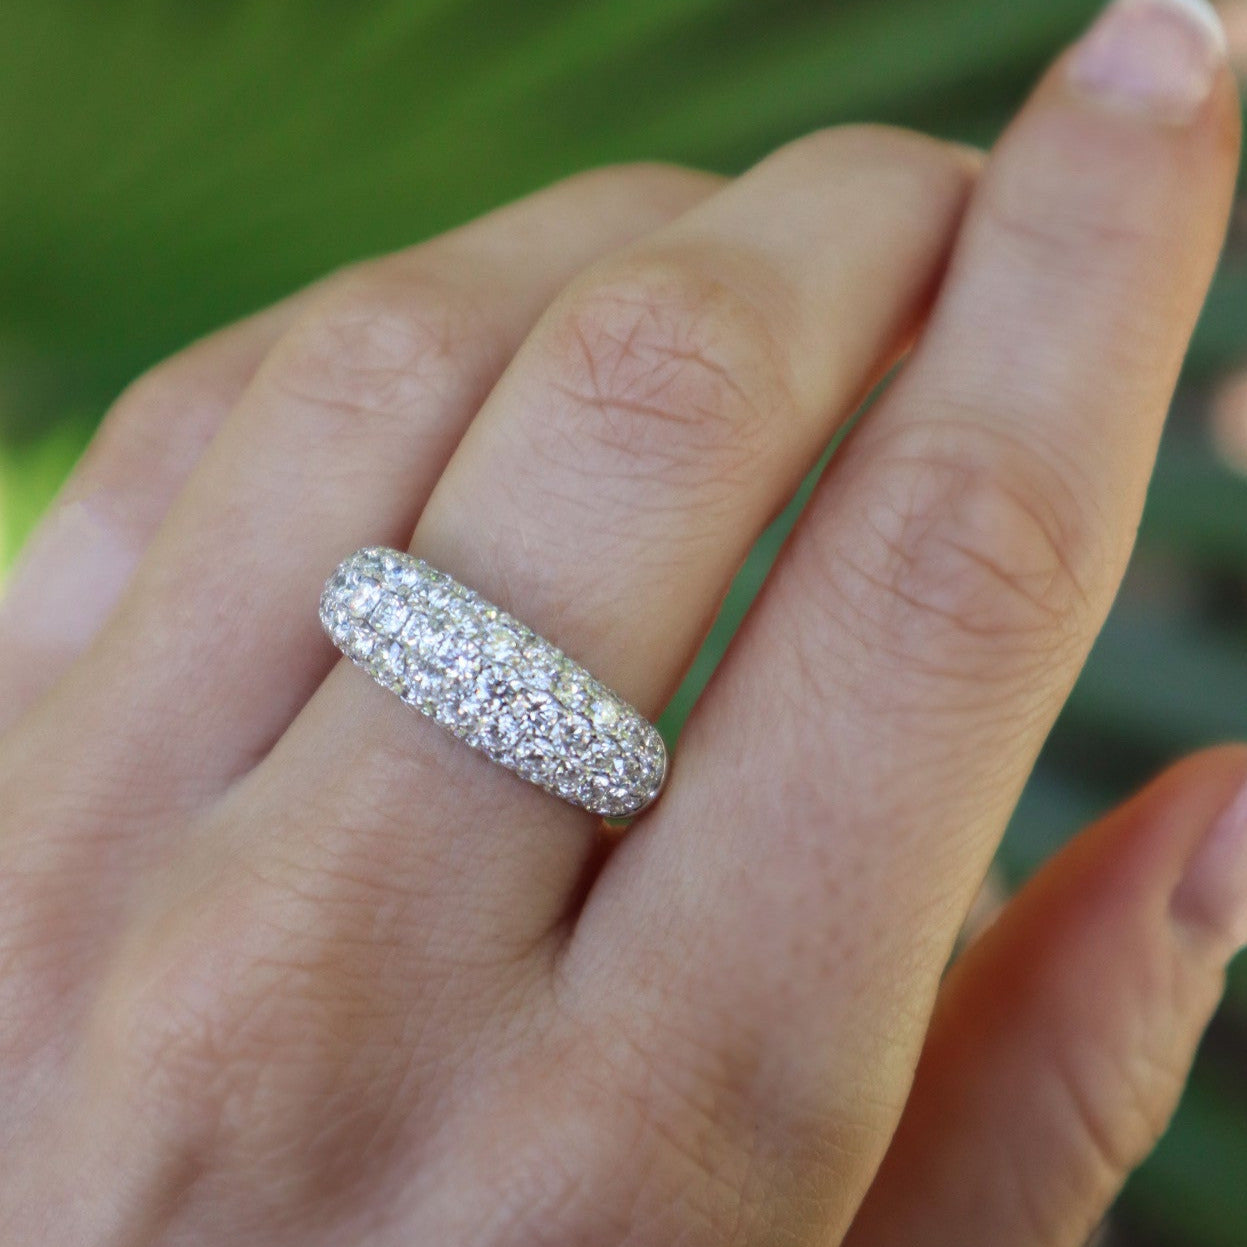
(493, 682)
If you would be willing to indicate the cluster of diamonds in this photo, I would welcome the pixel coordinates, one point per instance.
(492, 682)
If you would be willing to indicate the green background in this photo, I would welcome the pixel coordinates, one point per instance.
(166, 167)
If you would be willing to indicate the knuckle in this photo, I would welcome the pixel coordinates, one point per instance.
(666, 188)
(922, 163)
(1094, 235)
(1101, 1136)
(592, 1174)
(694, 1118)
(156, 426)
(980, 537)
(1064, 244)
(667, 371)
(1107, 1125)
(177, 1029)
(674, 1169)
(213, 1025)
(379, 346)
(155, 396)
(232, 1023)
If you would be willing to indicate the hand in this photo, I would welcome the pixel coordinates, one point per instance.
(282, 963)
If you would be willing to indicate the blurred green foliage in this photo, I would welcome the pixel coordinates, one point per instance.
(167, 165)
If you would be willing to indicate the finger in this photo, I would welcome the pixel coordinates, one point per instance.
(84, 551)
(337, 442)
(843, 784)
(217, 641)
(654, 421)
(1062, 1039)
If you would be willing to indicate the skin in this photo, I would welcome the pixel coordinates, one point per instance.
(280, 963)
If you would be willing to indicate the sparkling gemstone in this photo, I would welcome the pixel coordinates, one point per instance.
(604, 714)
(389, 616)
(363, 598)
(388, 663)
(362, 643)
(571, 691)
(439, 597)
(406, 578)
(502, 645)
(339, 624)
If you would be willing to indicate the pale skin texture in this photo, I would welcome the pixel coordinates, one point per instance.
(282, 964)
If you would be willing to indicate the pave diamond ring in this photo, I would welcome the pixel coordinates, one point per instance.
(493, 682)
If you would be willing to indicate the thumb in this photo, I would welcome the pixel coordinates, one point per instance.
(1063, 1038)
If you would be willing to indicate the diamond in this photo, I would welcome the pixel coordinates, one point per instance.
(502, 645)
(390, 616)
(571, 691)
(501, 731)
(438, 596)
(363, 598)
(388, 664)
(338, 622)
(414, 628)
(361, 643)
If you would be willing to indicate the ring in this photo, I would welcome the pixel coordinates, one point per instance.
(493, 682)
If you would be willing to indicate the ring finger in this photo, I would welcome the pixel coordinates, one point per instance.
(663, 410)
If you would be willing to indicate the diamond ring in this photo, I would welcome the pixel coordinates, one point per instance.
(493, 682)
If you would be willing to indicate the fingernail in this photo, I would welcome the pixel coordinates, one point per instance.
(1213, 892)
(1156, 57)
